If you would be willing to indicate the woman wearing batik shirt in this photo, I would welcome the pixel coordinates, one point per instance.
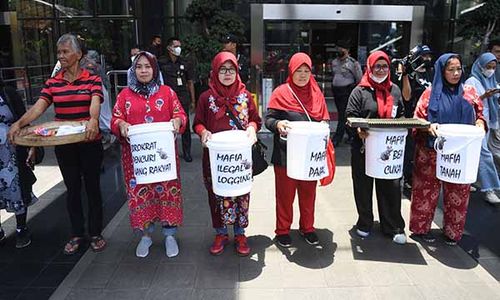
(226, 92)
(448, 101)
(145, 100)
(77, 96)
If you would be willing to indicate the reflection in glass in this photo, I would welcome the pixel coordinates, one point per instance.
(115, 7)
(35, 9)
(73, 8)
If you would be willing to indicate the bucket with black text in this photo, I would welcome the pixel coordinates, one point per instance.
(306, 144)
(458, 149)
(230, 163)
(153, 152)
(384, 152)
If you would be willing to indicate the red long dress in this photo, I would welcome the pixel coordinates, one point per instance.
(154, 202)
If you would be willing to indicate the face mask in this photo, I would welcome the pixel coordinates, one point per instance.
(488, 73)
(132, 58)
(378, 79)
(176, 51)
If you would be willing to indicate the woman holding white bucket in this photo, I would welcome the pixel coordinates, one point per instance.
(448, 101)
(146, 101)
(284, 106)
(376, 97)
(483, 79)
(226, 95)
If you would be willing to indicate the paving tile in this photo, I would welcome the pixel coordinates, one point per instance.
(7, 292)
(297, 276)
(217, 276)
(85, 294)
(256, 293)
(442, 291)
(174, 276)
(351, 293)
(346, 274)
(255, 274)
(176, 293)
(35, 293)
(307, 293)
(132, 276)
(96, 275)
(385, 274)
(398, 292)
(113, 254)
(219, 294)
(134, 294)
(482, 291)
(52, 275)
(20, 275)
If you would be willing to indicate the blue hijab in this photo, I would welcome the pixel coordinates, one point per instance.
(487, 83)
(447, 105)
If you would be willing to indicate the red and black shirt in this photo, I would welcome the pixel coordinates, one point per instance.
(72, 99)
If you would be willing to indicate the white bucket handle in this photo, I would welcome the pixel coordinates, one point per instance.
(457, 149)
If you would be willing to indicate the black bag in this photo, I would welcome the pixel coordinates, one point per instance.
(39, 155)
(259, 163)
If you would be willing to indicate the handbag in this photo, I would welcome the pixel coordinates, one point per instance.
(259, 162)
(330, 149)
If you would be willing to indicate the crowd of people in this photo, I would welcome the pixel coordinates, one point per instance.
(160, 89)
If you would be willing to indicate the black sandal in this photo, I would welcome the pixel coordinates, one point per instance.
(74, 244)
(95, 241)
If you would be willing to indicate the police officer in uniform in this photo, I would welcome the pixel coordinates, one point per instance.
(346, 72)
(178, 74)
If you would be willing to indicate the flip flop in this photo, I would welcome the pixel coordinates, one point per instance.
(74, 243)
(95, 241)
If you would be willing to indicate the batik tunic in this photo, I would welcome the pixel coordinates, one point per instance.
(154, 202)
(10, 190)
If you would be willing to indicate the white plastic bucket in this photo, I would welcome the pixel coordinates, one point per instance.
(230, 163)
(458, 148)
(306, 144)
(153, 152)
(385, 152)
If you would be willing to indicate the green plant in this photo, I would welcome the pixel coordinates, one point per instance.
(212, 20)
(480, 24)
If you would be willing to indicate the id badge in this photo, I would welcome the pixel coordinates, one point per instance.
(394, 111)
(179, 81)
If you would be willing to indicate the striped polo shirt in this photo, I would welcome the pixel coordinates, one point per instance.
(72, 99)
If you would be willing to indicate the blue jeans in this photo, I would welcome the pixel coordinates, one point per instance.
(237, 230)
(487, 174)
(167, 230)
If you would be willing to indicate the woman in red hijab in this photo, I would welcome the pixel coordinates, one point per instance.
(284, 107)
(375, 97)
(226, 93)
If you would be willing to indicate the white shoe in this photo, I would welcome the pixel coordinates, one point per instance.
(171, 247)
(399, 238)
(142, 249)
(491, 197)
(362, 233)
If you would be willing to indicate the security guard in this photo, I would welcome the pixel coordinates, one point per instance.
(230, 43)
(178, 74)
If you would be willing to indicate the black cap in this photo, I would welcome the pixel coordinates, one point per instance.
(425, 50)
(346, 44)
(230, 38)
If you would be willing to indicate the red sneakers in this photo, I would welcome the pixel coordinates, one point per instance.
(240, 242)
(218, 246)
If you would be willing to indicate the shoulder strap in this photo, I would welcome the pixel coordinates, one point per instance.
(300, 102)
(233, 117)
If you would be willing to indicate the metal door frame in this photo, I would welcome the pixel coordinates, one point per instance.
(259, 13)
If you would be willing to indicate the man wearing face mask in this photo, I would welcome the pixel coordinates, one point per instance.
(156, 47)
(178, 74)
(346, 73)
(414, 83)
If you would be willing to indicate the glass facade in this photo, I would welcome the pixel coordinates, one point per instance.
(112, 27)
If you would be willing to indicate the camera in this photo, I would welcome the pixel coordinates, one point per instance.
(409, 64)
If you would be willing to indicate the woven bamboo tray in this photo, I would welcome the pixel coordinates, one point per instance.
(27, 137)
(388, 123)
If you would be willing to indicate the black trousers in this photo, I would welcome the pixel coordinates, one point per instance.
(341, 97)
(77, 161)
(388, 198)
(409, 158)
(186, 136)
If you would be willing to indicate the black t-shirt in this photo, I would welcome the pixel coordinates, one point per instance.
(176, 75)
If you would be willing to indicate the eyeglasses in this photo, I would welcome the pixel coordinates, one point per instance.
(224, 70)
(379, 67)
(459, 70)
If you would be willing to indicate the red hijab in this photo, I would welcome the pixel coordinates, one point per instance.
(225, 96)
(385, 100)
(311, 96)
